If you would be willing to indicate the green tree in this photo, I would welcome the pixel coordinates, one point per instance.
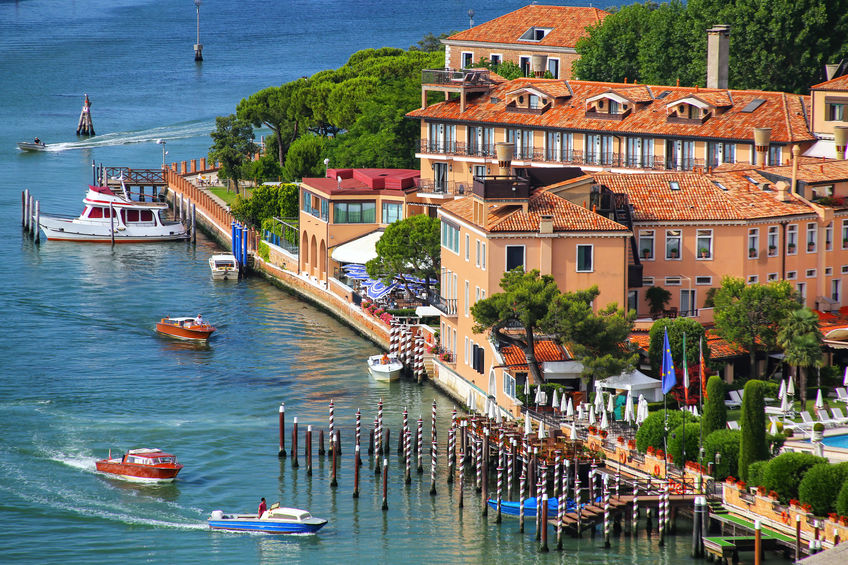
(266, 168)
(801, 341)
(506, 69)
(270, 108)
(820, 487)
(657, 298)
(725, 443)
(749, 315)
(672, 48)
(598, 341)
(753, 445)
(783, 474)
(676, 328)
(610, 51)
(523, 303)
(408, 248)
(304, 158)
(715, 412)
(431, 43)
(266, 201)
(692, 436)
(232, 146)
(652, 431)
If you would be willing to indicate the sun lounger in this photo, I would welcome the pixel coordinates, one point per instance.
(733, 425)
(736, 395)
(824, 417)
(735, 400)
(839, 417)
(842, 394)
(807, 419)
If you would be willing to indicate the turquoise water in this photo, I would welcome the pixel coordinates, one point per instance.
(836, 441)
(84, 372)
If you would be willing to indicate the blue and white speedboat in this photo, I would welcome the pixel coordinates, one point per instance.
(512, 507)
(275, 520)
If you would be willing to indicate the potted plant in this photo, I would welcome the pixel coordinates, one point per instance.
(752, 252)
(811, 246)
(672, 253)
(646, 253)
(845, 243)
(703, 252)
(790, 248)
(631, 444)
(793, 502)
(818, 431)
(772, 249)
(658, 298)
(773, 495)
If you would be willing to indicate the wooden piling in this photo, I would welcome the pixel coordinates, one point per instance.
(356, 474)
(309, 450)
(499, 493)
(461, 477)
(36, 225)
(758, 543)
(321, 451)
(797, 537)
(282, 452)
(543, 509)
(334, 481)
(521, 482)
(433, 449)
(358, 432)
(294, 443)
(420, 445)
(385, 484)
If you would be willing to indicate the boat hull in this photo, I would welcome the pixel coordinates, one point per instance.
(252, 524)
(187, 333)
(67, 229)
(29, 146)
(139, 473)
(224, 267)
(512, 507)
(384, 372)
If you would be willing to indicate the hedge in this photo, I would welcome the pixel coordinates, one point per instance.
(753, 446)
(842, 500)
(651, 432)
(755, 473)
(693, 439)
(715, 412)
(725, 442)
(821, 485)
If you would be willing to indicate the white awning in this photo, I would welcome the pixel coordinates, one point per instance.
(360, 250)
(422, 311)
(821, 148)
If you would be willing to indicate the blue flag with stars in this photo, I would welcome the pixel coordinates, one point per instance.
(669, 377)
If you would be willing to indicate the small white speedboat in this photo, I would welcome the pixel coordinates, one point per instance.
(224, 267)
(32, 146)
(275, 520)
(385, 367)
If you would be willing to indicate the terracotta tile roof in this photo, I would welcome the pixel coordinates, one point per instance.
(640, 93)
(511, 218)
(814, 170)
(698, 197)
(568, 24)
(838, 83)
(783, 113)
(545, 350)
(719, 348)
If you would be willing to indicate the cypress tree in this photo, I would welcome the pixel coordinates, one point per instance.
(715, 412)
(752, 445)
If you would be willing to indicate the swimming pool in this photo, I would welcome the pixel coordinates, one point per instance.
(840, 441)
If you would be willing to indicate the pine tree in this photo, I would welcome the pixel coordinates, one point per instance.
(752, 445)
(715, 412)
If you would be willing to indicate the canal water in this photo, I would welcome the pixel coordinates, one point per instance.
(83, 371)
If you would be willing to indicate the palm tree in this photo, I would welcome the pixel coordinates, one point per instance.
(801, 340)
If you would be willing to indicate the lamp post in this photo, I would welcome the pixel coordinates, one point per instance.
(326, 165)
(162, 142)
(470, 18)
(198, 47)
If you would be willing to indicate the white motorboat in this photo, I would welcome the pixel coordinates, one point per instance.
(385, 367)
(224, 266)
(110, 213)
(32, 146)
(275, 520)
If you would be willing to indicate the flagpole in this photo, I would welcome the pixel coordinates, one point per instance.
(701, 403)
(685, 406)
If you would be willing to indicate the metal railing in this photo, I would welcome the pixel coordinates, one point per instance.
(431, 186)
(456, 77)
(446, 306)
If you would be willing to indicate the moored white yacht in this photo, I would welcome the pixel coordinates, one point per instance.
(112, 214)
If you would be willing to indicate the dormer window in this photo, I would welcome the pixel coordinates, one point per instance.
(535, 34)
(689, 110)
(613, 107)
(609, 105)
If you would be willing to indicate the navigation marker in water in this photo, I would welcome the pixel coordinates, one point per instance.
(85, 126)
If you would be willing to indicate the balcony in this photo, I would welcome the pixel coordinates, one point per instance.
(501, 188)
(429, 187)
(456, 77)
(446, 306)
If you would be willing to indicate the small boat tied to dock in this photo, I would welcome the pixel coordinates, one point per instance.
(385, 367)
(188, 328)
(275, 520)
(224, 266)
(145, 465)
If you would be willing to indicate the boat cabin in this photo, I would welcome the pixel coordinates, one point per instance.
(149, 457)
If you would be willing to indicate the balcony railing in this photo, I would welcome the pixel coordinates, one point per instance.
(446, 306)
(431, 186)
(456, 77)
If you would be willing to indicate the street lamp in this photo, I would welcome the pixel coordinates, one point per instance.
(198, 48)
(326, 165)
(162, 143)
(470, 18)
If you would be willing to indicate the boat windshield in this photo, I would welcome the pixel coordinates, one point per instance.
(161, 460)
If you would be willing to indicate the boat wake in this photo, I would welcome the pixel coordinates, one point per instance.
(178, 131)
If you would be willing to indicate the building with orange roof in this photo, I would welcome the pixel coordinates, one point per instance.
(551, 32)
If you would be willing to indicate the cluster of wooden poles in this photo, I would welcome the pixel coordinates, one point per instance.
(31, 216)
(483, 444)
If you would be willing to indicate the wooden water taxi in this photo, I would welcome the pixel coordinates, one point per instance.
(195, 329)
(142, 465)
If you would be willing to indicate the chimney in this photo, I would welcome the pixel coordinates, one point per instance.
(762, 138)
(546, 223)
(782, 189)
(538, 64)
(830, 70)
(718, 53)
(840, 140)
(796, 152)
(504, 152)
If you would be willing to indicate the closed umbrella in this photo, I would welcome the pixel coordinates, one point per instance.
(544, 398)
(604, 421)
(526, 388)
(628, 408)
(569, 410)
(555, 401)
(541, 433)
(773, 428)
(782, 392)
(538, 399)
(599, 401)
(790, 387)
(564, 403)
(573, 431)
(784, 404)
(641, 410)
(695, 411)
(497, 416)
(528, 428)
(819, 400)
(591, 416)
(845, 377)
(580, 411)
(610, 403)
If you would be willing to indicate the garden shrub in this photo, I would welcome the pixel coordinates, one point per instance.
(842, 500)
(693, 437)
(753, 446)
(783, 474)
(755, 473)
(715, 412)
(725, 442)
(651, 432)
(821, 485)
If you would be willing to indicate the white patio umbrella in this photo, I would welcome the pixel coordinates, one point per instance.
(782, 392)
(845, 377)
(497, 416)
(526, 388)
(564, 403)
(569, 409)
(544, 400)
(580, 411)
(773, 428)
(790, 387)
(819, 400)
(528, 427)
(604, 421)
(573, 431)
(555, 400)
(610, 403)
(628, 408)
(784, 404)
(471, 403)
(541, 433)
(695, 411)
(599, 402)
(641, 410)
(591, 416)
